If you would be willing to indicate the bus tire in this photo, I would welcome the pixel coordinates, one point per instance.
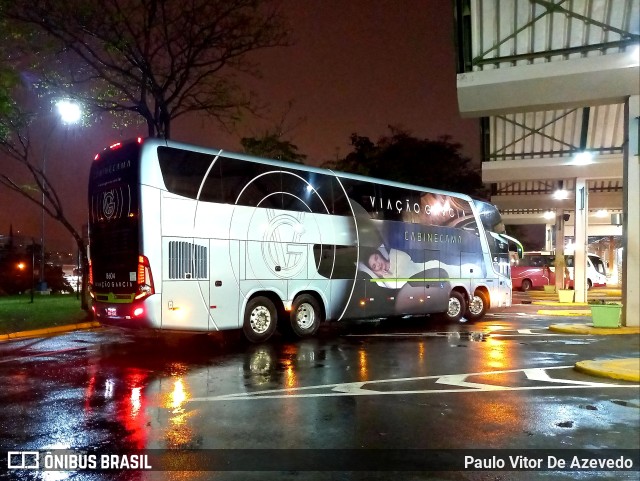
(526, 285)
(260, 319)
(306, 316)
(457, 307)
(477, 308)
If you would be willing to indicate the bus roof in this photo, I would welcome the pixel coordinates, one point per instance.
(157, 142)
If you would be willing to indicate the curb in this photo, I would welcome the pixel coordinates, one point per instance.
(49, 331)
(566, 313)
(559, 304)
(589, 329)
(623, 369)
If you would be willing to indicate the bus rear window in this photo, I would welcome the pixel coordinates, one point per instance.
(113, 185)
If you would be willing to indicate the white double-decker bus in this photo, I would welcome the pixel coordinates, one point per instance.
(196, 239)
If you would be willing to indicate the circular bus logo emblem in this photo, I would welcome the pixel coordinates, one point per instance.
(109, 204)
(281, 249)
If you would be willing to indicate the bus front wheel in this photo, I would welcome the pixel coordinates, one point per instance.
(260, 319)
(457, 307)
(306, 316)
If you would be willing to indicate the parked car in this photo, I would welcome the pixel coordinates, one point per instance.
(536, 269)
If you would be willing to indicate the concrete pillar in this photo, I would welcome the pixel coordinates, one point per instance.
(611, 259)
(559, 263)
(631, 219)
(548, 236)
(580, 240)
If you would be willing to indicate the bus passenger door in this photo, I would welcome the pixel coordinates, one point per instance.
(225, 285)
(410, 298)
(472, 269)
(437, 282)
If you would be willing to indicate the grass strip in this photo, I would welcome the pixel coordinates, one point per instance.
(18, 313)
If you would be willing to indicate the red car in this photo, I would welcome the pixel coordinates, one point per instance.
(536, 269)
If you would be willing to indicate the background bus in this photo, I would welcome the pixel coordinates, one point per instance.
(190, 238)
(536, 269)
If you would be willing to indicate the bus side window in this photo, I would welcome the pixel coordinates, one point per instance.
(335, 261)
(306, 191)
(183, 171)
(363, 193)
(393, 203)
(212, 188)
(250, 183)
(340, 200)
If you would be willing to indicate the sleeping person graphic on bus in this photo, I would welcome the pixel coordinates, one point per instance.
(396, 269)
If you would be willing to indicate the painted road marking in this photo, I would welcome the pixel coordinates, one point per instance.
(458, 380)
(541, 375)
(494, 332)
(507, 315)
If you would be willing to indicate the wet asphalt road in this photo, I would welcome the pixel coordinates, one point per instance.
(505, 382)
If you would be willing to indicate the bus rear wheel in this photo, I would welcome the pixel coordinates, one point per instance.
(306, 316)
(457, 307)
(478, 306)
(260, 319)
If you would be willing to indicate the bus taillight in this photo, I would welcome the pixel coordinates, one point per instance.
(145, 280)
(90, 280)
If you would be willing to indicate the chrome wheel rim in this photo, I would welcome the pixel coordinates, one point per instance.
(260, 320)
(454, 307)
(476, 305)
(305, 315)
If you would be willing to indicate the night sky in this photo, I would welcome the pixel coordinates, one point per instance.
(355, 66)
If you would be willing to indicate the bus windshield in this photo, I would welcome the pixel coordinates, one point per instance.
(114, 221)
(496, 237)
(598, 264)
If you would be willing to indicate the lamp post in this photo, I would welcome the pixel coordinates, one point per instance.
(69, 113)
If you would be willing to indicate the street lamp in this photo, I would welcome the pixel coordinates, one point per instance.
(69, 113)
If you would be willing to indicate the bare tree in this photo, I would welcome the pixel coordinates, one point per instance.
(16, 146)
(155, 60)
(272, 144)
(159, 59)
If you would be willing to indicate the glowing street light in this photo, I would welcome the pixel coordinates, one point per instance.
(69, 113)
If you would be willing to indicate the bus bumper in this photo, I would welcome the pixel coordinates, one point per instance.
(135, 315)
